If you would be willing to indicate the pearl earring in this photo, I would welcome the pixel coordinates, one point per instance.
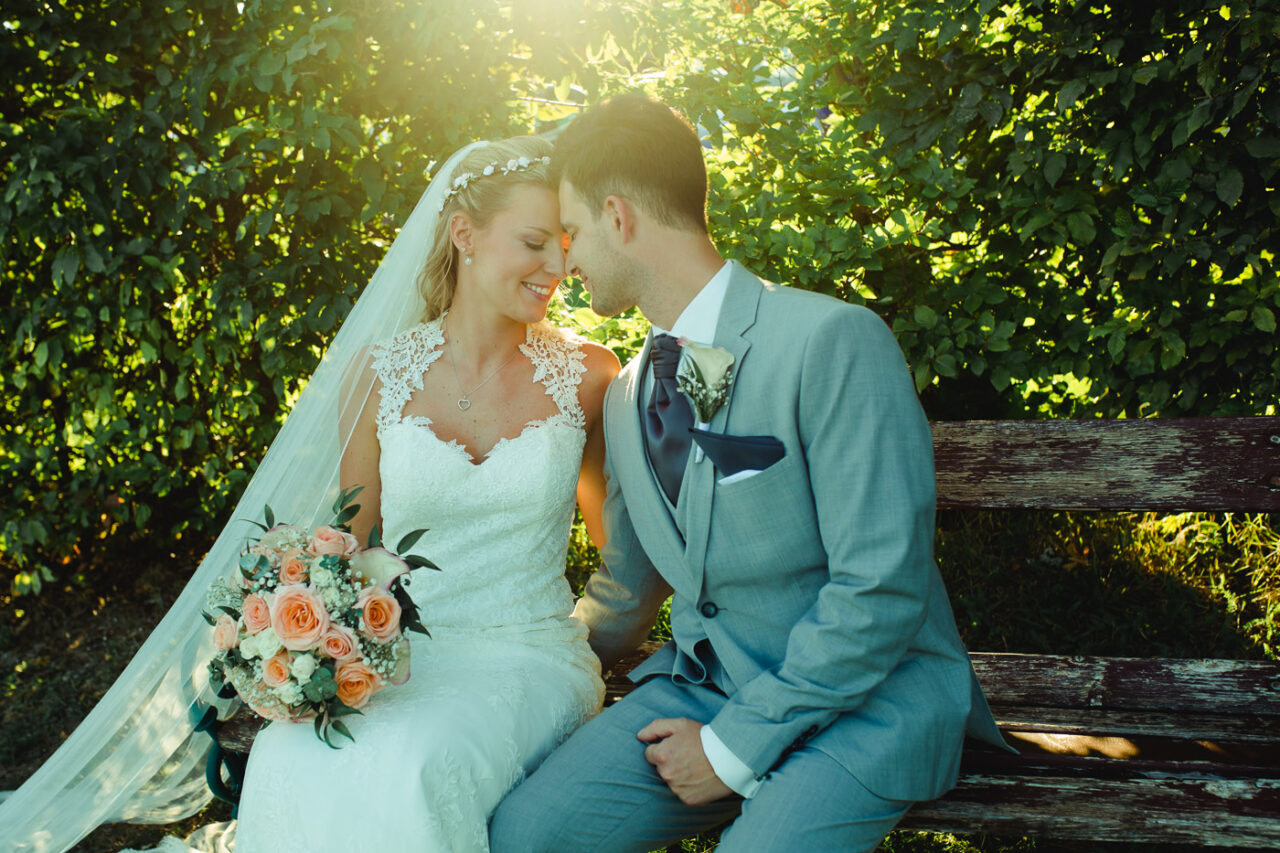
(467, 260)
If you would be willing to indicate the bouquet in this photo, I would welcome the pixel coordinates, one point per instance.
(311, 626)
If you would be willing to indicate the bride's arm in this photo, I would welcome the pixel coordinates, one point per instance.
(602, 365)
(358, 426)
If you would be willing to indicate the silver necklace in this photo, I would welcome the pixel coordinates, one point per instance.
(464, 402)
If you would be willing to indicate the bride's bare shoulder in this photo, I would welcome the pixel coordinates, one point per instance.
(601, 366)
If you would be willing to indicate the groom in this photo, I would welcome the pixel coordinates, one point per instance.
(815, 685)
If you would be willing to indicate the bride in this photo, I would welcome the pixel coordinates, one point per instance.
(448, 397)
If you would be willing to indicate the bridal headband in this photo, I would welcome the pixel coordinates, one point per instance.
(517, 164)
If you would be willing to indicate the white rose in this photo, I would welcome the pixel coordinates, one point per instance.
(282, 536)
(267, 643)
(249, 647)
(523, 162)
(320, 576)
(302, 668)
(488, 170)
(512, 165)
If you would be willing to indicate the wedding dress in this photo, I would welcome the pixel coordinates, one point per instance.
(506, 673)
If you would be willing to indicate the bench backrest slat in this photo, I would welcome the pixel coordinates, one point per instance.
(1174, 464)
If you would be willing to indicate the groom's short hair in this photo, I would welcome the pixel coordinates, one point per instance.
(635, 146)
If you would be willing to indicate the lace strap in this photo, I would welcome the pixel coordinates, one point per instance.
(400, 365)
(557, 359)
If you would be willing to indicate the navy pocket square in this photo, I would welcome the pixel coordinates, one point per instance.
(733, 453)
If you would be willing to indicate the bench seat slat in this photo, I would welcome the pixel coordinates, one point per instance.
(1175, 464)
(1165, 684)
(1231, 813)
(1245, 729)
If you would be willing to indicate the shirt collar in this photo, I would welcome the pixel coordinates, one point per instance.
(698, 321)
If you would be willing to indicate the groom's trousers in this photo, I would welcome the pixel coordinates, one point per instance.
(598, 793)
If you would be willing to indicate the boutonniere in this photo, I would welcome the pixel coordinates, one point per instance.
(704, 376)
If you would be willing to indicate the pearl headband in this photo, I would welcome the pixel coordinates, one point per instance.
(517, 164)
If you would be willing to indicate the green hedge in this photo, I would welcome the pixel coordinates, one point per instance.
(1063, 210)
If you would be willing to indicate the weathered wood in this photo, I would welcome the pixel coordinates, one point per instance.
(1225, 728)
(1161, 751)
(1140, 464)
(1230, 813)
(1147, 684)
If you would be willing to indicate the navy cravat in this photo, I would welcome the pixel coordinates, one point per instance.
(668, 417)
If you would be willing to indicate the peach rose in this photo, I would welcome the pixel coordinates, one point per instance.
(328, 540)
(257, 615)
(299, 617)
(293, 567)
(381, 613)
(338, 643)
(356, 683)
(226, 635)
(275, 669)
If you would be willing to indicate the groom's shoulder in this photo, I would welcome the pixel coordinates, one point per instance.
(785, 305)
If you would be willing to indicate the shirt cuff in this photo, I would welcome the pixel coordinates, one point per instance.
(728, 766)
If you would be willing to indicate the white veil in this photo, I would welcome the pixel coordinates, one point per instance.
(137, 756)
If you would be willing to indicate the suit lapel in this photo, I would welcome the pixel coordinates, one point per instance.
(630, 464)
(737, 314)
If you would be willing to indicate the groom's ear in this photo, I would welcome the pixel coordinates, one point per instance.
(620, 217)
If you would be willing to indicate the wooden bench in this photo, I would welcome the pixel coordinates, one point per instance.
(1112, 749)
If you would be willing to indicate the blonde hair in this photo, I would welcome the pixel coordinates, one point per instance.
(481, 199)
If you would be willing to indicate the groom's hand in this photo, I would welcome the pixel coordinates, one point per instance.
(675, 751)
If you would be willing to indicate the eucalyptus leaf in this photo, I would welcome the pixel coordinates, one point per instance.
(409, 540)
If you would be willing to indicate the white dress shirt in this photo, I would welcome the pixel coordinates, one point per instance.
(697, 323)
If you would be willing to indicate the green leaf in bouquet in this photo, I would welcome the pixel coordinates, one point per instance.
(257, 524)
(409, 618)
(345, 497)
(209, 617)
(341, 709)
(313, 691)
(375, 536)
(341, 519)
(319, 724)
(247, 562)
(409, 540)
(269, 516)
(342, 729)
(416, 562)
(230, 611)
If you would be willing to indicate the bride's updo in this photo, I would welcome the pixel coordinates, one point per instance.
(481, 197)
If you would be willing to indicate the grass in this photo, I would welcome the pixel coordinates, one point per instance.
(1188, 585)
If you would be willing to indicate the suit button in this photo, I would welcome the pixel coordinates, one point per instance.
(709, 609)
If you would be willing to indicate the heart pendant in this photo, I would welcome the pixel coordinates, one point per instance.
(464, 404)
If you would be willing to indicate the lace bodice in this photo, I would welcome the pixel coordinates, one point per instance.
(497, 529)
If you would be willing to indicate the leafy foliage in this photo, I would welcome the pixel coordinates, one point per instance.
(1062, 209)
(193, 196)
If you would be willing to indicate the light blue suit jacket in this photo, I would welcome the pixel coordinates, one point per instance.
(807, 593)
